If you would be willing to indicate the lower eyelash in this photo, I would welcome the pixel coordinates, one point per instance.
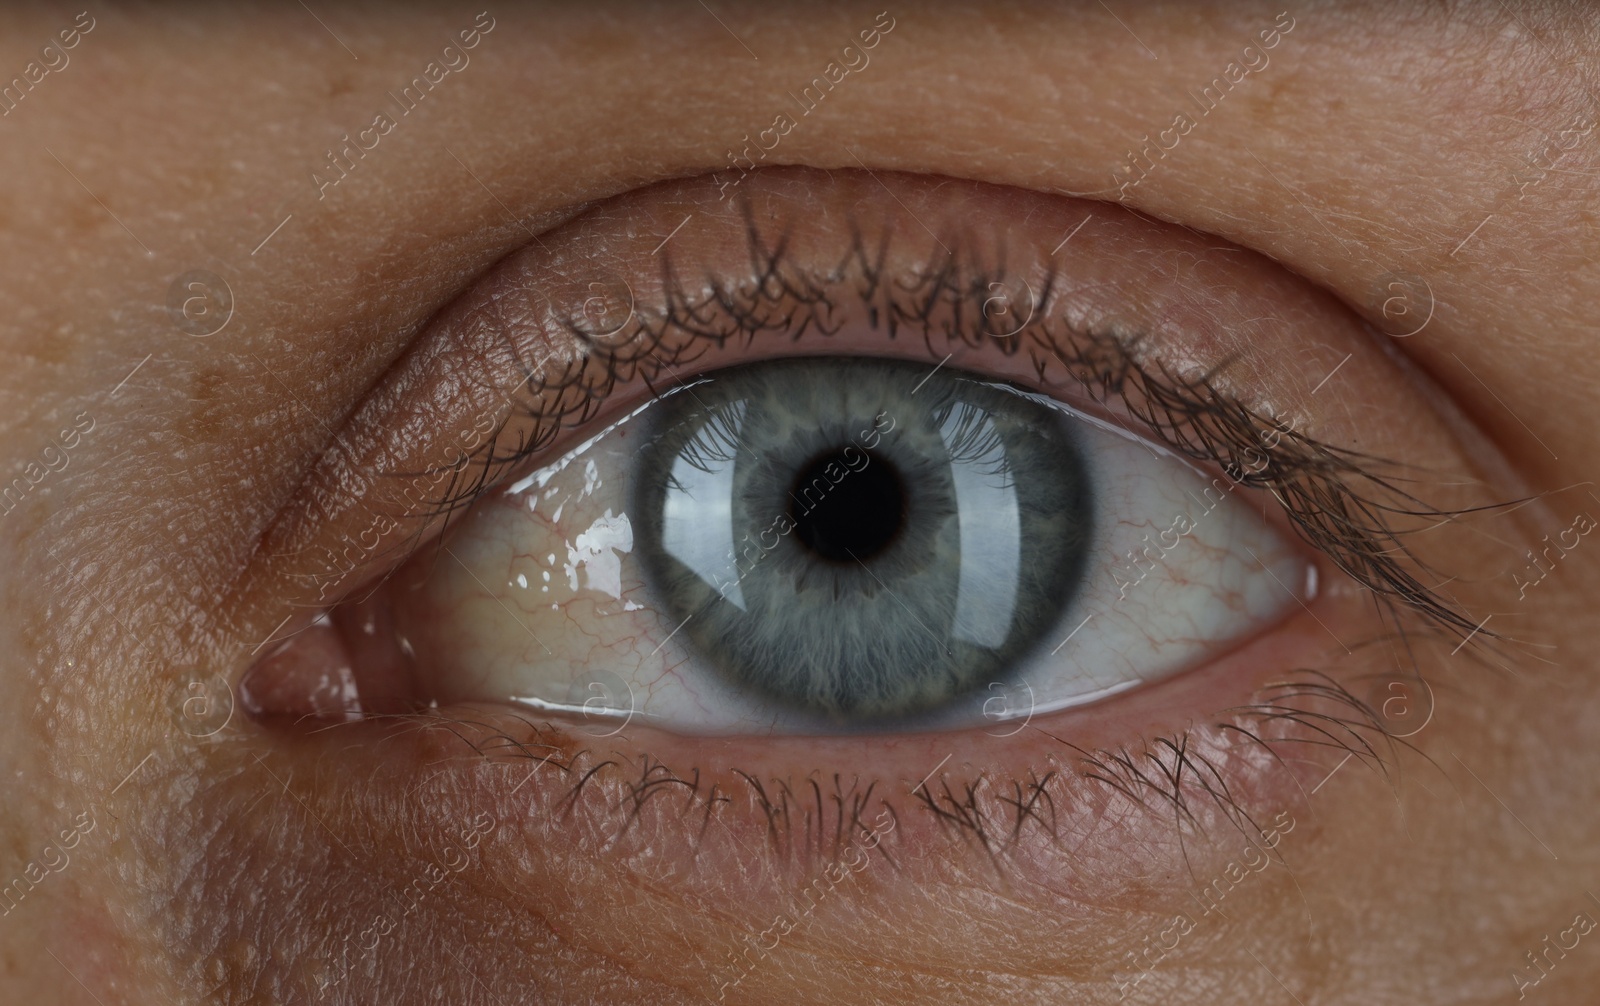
(810, 820)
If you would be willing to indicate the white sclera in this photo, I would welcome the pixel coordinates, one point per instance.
(544, 601)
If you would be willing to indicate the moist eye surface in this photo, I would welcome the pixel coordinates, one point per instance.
(826, 544)
(861, 538)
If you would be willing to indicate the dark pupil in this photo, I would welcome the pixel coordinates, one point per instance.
(853, 518)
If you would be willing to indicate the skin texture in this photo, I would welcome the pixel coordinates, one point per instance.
(1382, 141)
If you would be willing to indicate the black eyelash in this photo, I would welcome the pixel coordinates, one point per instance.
(808, 821)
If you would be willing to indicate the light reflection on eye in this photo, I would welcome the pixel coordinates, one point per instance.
(860, 539)
(823, 544)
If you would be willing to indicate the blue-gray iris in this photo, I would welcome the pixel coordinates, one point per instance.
(857, 538)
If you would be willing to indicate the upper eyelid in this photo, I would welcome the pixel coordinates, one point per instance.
(1110, 362)
(962, 290)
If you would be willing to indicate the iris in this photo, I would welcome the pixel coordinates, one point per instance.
(857, 538)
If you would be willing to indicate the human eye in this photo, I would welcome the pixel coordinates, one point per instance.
(832, 541)
(860, 534)
(516, 553)
(802, 479)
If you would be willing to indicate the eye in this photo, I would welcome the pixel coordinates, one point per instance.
(840, 543)
(798, 474)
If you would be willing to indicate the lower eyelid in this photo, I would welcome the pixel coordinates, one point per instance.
(701, 813)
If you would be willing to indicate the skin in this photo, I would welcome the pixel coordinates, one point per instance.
(1378, 141)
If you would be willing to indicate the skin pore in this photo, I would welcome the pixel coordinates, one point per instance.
(1421, 172)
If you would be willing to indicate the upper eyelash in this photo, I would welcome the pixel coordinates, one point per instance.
(1341, 502)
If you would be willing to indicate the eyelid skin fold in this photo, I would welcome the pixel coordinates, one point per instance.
(1129, 314)
(1179, 339)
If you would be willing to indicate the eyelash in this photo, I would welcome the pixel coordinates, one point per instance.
(1341, 502)
(1314, 482)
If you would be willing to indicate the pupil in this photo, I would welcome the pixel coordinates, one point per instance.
(855, 517)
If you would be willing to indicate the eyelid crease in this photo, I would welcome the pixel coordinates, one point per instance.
(1342, 502)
